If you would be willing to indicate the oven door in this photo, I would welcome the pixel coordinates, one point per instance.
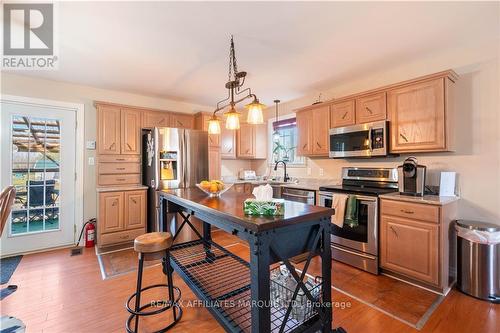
(364, 140)
(363, 236)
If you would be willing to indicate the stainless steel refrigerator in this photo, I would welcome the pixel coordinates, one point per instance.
(171, 158)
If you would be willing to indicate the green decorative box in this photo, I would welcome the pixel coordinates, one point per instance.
(275, 207)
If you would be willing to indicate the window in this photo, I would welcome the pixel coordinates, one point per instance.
(283, 134)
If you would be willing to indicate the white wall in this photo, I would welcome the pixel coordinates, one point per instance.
(477, 129)
(60, 91)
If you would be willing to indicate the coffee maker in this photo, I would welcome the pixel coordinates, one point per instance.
(411, 177)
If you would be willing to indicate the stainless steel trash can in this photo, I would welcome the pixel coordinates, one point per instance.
(478, 263)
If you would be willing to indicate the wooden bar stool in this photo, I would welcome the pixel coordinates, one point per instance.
(152, 246)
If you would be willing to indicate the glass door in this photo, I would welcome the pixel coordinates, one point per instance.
(38, 158)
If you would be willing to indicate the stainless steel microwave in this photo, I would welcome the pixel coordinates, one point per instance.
(364, 140)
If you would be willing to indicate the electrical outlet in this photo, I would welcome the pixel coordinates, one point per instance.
(321, 172)
(91, 161)
(90, 145)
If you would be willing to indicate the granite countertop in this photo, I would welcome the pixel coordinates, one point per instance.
(120, 188)
(426, 199)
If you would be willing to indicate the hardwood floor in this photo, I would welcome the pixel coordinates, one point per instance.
(59, 293)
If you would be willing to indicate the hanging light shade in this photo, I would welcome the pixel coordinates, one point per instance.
(214, 125)
(232, 119)
(276, 134)
(255, 115)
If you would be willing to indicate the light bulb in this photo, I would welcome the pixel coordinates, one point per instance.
(255, 115)
(214, 125)
(233, 119)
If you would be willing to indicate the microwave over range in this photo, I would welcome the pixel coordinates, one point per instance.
(363, 140)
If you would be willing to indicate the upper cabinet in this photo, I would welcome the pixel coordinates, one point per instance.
(108, 129)
(313, 125)
(152, 119)
(227, 143)
(418, 115)
(371, 108)
(130, 131)
(251, 141)
(342, 114)
(118, 130)
(180, 120)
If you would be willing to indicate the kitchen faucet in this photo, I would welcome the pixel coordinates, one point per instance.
(285, 175)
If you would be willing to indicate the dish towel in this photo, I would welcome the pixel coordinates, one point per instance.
(339, 204)
(351, 211)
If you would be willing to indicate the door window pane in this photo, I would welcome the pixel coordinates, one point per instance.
(35, 174)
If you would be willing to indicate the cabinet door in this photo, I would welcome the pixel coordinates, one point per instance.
(371, 108)
(304, 133)
(228, 143)
(410, 248)
(130, 132)
(246, 139)
(321, 127)
(110, 212)
(214, 163)
(181, 120)
(108, 129)
(417, 117)
(135, 209)
(342, 114)
(152, 119)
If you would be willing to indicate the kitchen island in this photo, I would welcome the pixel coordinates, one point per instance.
(237, 292)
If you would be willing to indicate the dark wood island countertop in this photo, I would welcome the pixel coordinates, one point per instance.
(229, 207)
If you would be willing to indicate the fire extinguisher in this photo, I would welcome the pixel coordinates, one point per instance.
(89, 235)
(89, 229)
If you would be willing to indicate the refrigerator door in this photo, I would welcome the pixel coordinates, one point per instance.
(168, 169)
(195, 157)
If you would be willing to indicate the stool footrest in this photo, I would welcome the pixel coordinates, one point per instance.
(168, 303)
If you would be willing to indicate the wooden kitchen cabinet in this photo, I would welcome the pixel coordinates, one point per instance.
(110, 212)
(214, 163)
(135, 209)
(417, 241)
(304, 121)
(152, 119)
(342, 114)
(411, 248)
(251, 141)
(130, 131)
(418, 115)
(108, 129)
(313, 125)
(179, 120)
(121, 215)
(228, 143)
(371, 108)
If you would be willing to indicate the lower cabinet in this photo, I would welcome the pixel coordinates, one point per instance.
(417, 242)
(411, 248)
(122, 216)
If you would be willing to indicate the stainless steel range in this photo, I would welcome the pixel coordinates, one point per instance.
(357, 244)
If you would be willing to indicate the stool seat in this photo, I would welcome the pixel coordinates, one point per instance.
(153, 242)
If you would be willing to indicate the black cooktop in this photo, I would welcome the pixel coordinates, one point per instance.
(357, 189)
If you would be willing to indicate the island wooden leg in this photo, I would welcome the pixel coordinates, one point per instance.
(260, 286)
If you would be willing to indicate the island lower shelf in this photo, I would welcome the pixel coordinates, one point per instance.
(222, 281)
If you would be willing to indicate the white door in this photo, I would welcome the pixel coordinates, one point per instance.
(38, 157)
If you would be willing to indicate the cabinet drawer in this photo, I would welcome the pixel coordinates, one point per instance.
(409, 210)
(119, 158)
(120, 237)
(119, 168)
(125, 179)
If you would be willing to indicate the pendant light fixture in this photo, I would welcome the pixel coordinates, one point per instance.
(276, 134)
(233, 85)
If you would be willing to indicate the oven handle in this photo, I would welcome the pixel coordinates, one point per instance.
(370, 143)
(367, 256)
(329, 195)
(297, 195)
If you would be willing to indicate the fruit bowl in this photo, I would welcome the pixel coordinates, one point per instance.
(214, 188)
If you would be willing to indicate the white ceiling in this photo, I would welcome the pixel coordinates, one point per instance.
(289, 49)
